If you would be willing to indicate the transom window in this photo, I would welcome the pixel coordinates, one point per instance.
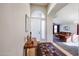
(38, 14)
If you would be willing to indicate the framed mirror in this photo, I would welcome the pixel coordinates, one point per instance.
(26, 23)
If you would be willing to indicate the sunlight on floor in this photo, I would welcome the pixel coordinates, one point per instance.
(72, 43)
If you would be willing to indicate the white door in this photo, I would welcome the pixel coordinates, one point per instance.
(36, 28)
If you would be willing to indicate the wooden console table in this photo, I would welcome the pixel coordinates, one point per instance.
(30, 50)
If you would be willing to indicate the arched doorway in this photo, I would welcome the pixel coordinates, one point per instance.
(38, 25)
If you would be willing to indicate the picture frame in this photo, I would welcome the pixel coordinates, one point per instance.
(66, 28)
(26, 22)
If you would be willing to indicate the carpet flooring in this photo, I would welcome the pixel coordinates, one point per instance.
(71, 49)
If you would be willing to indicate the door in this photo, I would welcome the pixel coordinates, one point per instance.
(77, 29)
(36, 28)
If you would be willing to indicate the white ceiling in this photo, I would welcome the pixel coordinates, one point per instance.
(57, 7)
(40, 4)
(68, 14)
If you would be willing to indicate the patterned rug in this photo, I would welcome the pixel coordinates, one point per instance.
(47, 49)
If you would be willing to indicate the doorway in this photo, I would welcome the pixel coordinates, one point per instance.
(38, 28)
(77, 29)
(56, 28)
(38, 24)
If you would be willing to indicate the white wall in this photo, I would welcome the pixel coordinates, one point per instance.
(28, 14)
(49, 23)
(49, 29)
(12, 28)
(72, 28)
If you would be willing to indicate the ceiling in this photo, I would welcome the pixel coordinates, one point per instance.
(68, 14)
(40, 4)
(56, 8)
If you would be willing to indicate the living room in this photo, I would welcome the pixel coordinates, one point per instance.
(65, 28)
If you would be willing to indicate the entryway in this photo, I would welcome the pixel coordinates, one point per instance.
(38, 25)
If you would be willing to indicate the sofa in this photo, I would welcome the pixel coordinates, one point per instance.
(63, 36)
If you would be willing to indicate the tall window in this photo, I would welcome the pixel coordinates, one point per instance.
(43, 29)
(39, 19)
